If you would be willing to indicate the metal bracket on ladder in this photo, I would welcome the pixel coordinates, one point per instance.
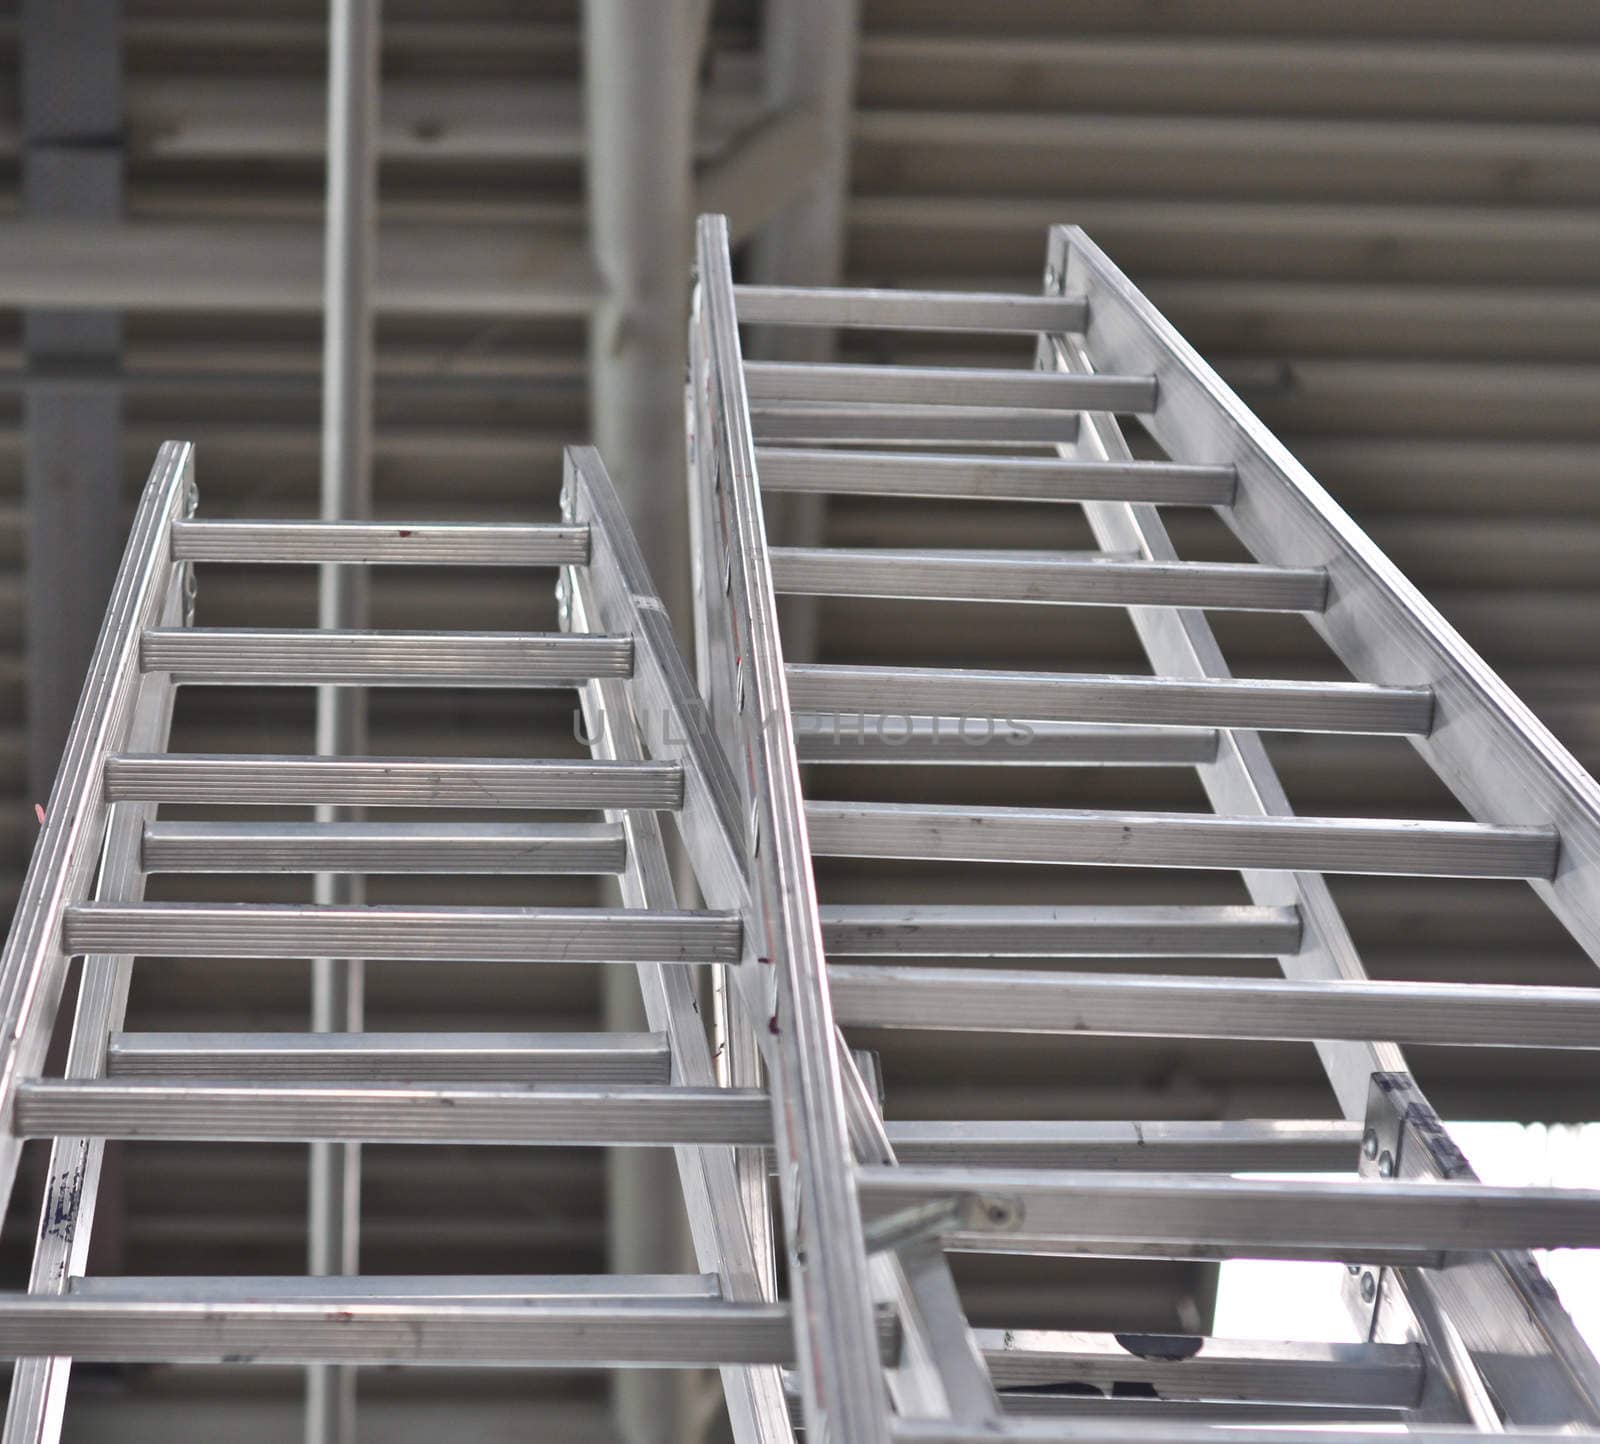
(1367, 1289)
(959, 1213)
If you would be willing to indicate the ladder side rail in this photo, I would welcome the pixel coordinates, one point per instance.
(1486, 745)
(719, 1224)
(734, 1026)
(36, 1407)
(940, 1370)
(841, 1381)
(1243, 780)
(33, 967)
(619, 595)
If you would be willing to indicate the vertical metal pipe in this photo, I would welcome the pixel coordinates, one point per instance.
(640, 80)
(808, 62)
(641, 64)
(350, 263)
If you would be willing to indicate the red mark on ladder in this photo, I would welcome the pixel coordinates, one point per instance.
(38, 811)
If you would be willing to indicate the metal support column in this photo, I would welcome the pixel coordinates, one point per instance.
(71, 80)
(809, 64)
(350, 267)
(641, 66)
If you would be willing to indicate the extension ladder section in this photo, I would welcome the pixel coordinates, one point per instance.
(1461, 1330)
(84, 896)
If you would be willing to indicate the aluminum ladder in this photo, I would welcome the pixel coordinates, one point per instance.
(84, 896)
(1462, 1334)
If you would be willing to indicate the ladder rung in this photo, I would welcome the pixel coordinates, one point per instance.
(390, 781)
(513, 1114)
(850, 738)
(395, 1057)
(1185, 1367)
(439, 543)
(416, 934)
(383, 847)
(1069, 1413)
(1178, 1213)
(574, 1333)
(993, 478)
(303, 656)
(946, 386)
(390, 1288)
(1269, 1145)
(1090, 1410)
(1170, 1430)
(930, 576)
(1078, 697)
(908, 310)
(992, 1000)
(1179, 839)
(1026, 932)
(912, 425)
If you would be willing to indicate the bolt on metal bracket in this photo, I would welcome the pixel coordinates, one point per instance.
(1379, 1159)
(959, 1213)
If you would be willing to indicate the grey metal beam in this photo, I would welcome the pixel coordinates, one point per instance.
(762, 170)
(72, 162)
(425, 269)
(808, 58)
